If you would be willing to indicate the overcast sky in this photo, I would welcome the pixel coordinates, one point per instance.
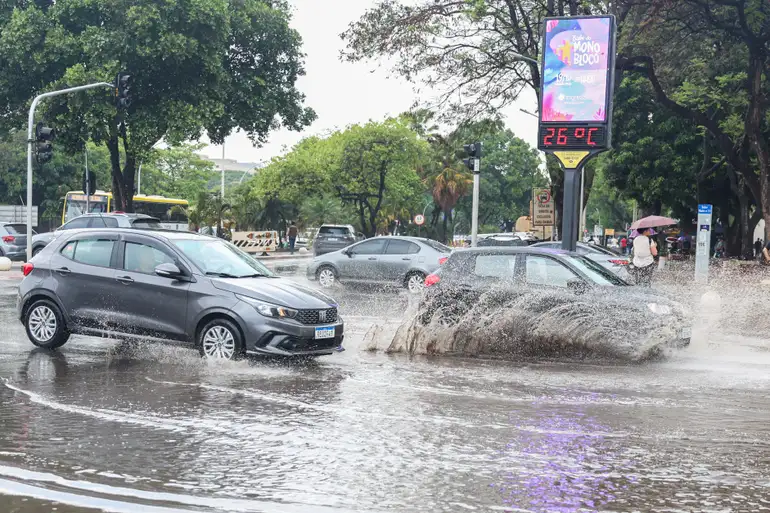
(343, 93)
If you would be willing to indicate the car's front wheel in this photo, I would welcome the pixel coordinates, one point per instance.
(220, 339)
(45, 325)
(327, 277)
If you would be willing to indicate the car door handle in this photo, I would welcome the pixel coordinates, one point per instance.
(372, 258)
(63, 271)
(406, 258)
(125, 279)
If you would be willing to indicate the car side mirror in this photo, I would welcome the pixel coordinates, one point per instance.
(577, 286)
(347, 252)
(168, 270)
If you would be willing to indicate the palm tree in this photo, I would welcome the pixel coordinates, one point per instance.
(448, 180)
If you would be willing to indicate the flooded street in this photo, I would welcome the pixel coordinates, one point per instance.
(108, 426)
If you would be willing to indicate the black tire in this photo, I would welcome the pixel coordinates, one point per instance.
(37, 250)
(410, 282)
(325, 271)
(220, 339)
(45, 325)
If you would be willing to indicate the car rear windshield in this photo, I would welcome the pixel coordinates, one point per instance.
(16, 229)
(334, 231)
(146, 223)
(438, 246)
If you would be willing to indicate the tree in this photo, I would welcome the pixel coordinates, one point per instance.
(198, 67)
(379, 159)
(178, 172)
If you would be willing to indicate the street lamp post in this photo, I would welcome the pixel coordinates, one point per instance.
(30, 142)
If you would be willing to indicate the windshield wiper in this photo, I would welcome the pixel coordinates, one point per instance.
(255, 275)
(228, 275)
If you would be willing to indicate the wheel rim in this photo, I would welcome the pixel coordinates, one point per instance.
(218, 342)
(415, 283)
(326, 278)
(42, 323)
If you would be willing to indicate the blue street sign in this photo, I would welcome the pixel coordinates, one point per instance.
(704, 209)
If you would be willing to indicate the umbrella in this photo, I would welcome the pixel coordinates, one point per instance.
(635, 233)
(653, 222)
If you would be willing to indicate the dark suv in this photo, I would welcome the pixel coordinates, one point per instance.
(333, 237)
(113, 220)
(171, 285)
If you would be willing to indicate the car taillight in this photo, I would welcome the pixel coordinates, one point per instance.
(27, 268)
(432, 279)
(8, 238)
(619, 262)
(118, 212)
(442, 260)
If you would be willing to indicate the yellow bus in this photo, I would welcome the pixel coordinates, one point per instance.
(170, 211)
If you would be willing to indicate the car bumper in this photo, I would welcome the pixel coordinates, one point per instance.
(15, 253)
(288, 338)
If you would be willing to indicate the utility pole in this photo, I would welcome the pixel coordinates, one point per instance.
(473, 162)
(31, 141)
(223, 170)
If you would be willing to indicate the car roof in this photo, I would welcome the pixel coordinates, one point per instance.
(504, 250)
(155, 233)
(114, 214)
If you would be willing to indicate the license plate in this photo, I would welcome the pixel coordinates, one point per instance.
(685, 333)
(324, 332)
(333, 239)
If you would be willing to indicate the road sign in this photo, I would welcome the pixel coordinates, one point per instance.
(419, 219)
(703, 244)
(544, 210)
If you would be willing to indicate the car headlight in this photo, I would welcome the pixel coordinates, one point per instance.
(659, 309)
(269, 310)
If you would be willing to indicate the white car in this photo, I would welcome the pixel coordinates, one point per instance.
(618, 264)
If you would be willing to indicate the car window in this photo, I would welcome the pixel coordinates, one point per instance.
(547, 271)
(16, 229)
(334, 231)
(218, 256)
(80, 222)
(595, 272)
(370, 247)
(141, 258)
(90, 251)
(401, 247)
(495, 266)
(146, 223)
(103, 222)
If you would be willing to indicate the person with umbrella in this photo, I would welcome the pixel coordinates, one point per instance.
(645, 250)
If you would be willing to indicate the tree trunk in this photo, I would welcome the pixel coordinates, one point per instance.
(754, 118)
(444, 228)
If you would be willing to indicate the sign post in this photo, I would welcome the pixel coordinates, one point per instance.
(419, 220)
(577, 71)
(703, 248)
(543, 208)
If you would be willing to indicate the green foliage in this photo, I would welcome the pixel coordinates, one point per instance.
(177, 172)
(198, 67)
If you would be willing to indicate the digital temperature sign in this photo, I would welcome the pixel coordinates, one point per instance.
(571, 137)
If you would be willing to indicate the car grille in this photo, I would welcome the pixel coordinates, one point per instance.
(325, 316)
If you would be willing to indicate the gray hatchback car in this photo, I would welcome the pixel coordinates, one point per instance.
(171, 286)
(400, 261)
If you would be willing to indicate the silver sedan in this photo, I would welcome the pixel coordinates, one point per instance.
(400, 261)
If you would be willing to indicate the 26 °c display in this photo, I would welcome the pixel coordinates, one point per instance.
(571, 137)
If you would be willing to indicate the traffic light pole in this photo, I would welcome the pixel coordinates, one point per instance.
(31, 141)
(475, 209)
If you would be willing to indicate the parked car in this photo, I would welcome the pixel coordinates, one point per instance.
(172, 286)
(611, 261)
(333, 237)
(111, 220)
(401, 261)
(567, 289)
(13, 241)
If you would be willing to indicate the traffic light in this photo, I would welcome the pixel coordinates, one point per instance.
(43, 147)
(123, 84)
(473, 162)
(89, 187)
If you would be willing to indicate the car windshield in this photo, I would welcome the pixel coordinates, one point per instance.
(220, 258)
(437, 246)
(595, 272)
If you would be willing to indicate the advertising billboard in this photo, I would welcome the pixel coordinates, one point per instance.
(577, 76)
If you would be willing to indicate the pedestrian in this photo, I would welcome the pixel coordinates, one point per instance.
(292, 236)
(645, 252)
(758, 248)
(623, 245)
